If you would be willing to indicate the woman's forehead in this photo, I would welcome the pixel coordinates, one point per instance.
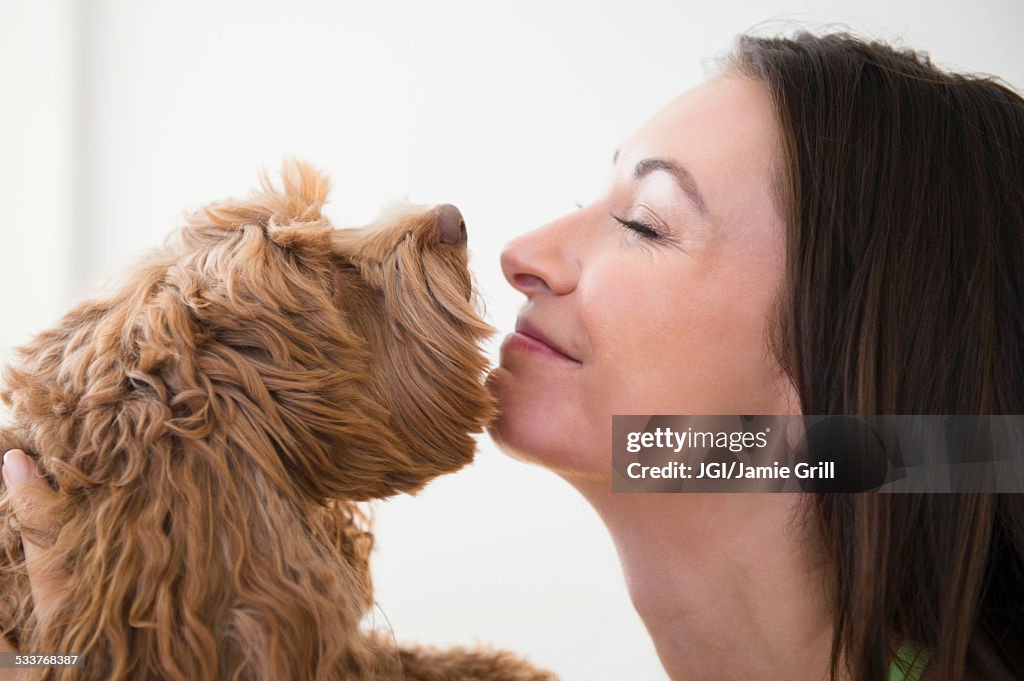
(723, 132)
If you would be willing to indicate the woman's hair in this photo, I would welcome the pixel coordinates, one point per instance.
(902, 190)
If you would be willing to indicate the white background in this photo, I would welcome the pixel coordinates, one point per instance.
(116, 115)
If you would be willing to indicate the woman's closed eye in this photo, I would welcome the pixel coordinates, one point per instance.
(643, 229)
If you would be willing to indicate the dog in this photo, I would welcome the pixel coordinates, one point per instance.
(211, 427)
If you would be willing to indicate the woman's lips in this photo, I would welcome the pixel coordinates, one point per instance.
(528, 337)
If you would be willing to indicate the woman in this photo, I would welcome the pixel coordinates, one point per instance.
(831, 227)
(828, 227)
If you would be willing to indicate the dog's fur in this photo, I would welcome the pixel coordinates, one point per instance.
(210, 427)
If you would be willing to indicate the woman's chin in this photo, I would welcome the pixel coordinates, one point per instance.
(531, 428)
(509, 430)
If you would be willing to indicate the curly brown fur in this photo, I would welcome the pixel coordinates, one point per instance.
(211, 426)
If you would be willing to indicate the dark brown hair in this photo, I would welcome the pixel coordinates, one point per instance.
(902, 189)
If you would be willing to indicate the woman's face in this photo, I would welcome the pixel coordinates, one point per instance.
(654, 298)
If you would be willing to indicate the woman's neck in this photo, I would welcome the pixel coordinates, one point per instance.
(723, 582)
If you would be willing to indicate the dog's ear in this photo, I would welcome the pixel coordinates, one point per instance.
(295, 219)
(289, 216)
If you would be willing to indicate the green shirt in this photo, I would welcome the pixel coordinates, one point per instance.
(909, 663)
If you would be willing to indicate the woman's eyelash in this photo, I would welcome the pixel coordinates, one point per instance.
(642, 229)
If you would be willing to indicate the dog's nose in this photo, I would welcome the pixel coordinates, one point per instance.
(450, 225)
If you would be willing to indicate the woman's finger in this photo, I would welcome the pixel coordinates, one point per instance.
(29, 493)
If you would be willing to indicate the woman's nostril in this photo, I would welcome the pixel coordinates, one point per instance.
(450, 225)
(527, 281)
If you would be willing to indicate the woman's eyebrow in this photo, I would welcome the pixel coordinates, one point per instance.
(682, 176)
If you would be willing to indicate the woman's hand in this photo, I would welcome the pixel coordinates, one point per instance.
(27, 490)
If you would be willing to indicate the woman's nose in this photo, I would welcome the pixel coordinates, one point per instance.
(540, 261)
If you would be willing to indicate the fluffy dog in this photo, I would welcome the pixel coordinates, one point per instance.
(210, 427)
